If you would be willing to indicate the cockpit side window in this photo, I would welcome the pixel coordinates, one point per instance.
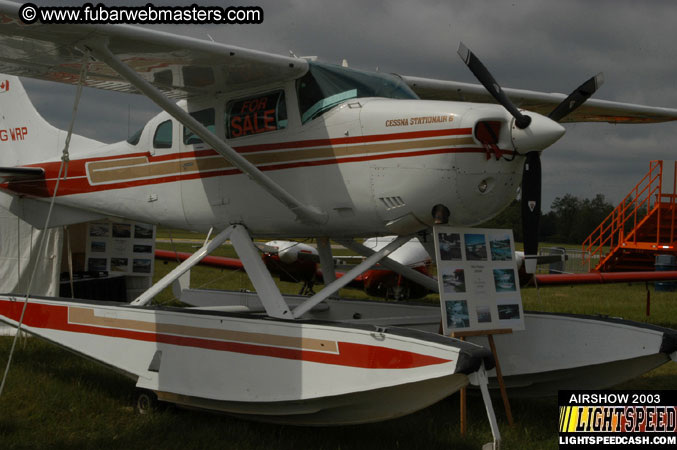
(207, 118)
(325, 86)
(163, 135)
(257, 114)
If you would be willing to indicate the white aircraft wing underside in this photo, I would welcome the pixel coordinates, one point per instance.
(180, 66)
(541, 102)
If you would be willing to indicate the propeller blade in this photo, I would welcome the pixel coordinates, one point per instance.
(531, 202)
(577, 97)
(482, 74)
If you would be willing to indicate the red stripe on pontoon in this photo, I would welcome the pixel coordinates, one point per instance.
(55, 317)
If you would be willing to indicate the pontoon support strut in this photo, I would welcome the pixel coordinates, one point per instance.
(407, 272)
(326, 260)
(182, 268)
(349, 276)
(259, 275)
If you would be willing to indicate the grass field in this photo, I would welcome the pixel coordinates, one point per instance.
(56, 400)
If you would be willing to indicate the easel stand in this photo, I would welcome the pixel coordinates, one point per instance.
(504, 395)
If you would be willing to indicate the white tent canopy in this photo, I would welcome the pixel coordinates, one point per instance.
(19, 243)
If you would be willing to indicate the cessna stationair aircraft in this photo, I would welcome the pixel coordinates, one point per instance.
(266, 145)
(284, 146)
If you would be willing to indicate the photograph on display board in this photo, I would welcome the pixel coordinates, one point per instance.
(450, 246)
(475, 247)
(500, 247)
(141, 265)
(99, 229)
(97, 264)
(454, 280)
(142, 248)
(457, 314)
(122, 230)
(98, 247)
(509, 311)
(119, 264)
(504, 279)
(480, 291)
(142, 231)
(483, 314)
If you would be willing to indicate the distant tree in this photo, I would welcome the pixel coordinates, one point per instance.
(510, 217)
(570, 219)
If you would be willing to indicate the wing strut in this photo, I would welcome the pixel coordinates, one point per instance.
(304, 213)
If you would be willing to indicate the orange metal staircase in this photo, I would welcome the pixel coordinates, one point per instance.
(641, 226)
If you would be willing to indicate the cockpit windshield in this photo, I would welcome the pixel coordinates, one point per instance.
(326, 85)
(134, 138)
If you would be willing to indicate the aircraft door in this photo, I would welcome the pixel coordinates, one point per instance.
(202, 192)
(162, 199)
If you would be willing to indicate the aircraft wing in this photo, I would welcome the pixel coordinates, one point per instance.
(541, 102)
(180, 66)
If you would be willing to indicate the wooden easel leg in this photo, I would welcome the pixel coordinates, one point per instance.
(464, 413)
(464, 410)
(501, 384)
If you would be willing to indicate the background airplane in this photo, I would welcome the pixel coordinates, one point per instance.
(298, 262)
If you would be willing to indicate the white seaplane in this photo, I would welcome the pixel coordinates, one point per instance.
(267, 145)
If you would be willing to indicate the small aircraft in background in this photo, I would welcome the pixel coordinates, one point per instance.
(298, 262)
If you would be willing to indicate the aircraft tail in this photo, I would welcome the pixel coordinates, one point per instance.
(25, 136)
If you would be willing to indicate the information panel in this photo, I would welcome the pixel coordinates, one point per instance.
(477, 276)
(124, 248)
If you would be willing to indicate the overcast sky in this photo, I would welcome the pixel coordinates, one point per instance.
(550, 46)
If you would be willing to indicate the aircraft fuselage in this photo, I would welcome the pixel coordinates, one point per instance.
(372, 165)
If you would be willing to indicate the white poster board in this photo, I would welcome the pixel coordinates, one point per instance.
(477, 276)
(121, 248)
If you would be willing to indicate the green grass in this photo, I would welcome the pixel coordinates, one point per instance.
(56, 400)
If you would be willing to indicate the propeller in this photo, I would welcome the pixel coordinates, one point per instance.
(531, 175)
(482, 74)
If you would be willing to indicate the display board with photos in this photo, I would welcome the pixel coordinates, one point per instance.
(477, 276)
(121, 248)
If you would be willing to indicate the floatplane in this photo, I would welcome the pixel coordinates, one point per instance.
(266, 145)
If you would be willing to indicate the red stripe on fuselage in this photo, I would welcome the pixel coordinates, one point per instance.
(354, 140)
(55, 317)
(77, 168)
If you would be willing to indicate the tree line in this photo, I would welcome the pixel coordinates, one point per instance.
(570, 219)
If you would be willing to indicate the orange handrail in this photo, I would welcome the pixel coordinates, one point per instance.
(634, 209)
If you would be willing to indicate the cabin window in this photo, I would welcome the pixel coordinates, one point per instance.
(325, 86)
(257, 114)
(206, 118)
(163, 135)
